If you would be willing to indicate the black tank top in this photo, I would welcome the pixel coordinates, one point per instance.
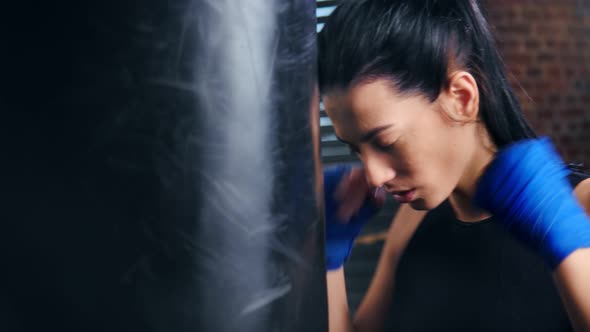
(458, 276)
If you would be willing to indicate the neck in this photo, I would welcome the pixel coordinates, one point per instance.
(462, 197)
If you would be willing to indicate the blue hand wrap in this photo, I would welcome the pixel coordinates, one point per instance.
(526, 186)
(340, 234)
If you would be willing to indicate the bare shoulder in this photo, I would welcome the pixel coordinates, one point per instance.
(402, 229)
(582, 192)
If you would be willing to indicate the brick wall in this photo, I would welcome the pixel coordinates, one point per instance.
(546, 47)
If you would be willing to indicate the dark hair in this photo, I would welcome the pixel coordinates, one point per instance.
(413, 44)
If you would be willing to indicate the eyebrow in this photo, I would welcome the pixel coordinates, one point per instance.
(368, 136)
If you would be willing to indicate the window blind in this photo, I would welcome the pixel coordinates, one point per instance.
(333, 151)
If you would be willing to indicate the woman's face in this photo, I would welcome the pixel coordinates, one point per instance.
(408, 145)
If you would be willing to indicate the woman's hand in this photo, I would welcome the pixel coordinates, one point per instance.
(349, 204)
(526, 186)
(353, 192)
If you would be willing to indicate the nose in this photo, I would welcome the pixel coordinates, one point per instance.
(378, 169)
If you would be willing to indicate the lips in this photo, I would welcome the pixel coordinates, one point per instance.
(404, 196)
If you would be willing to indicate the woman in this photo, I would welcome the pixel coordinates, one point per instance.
(418, 90)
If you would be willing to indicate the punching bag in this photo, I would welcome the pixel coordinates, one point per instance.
(163, 169)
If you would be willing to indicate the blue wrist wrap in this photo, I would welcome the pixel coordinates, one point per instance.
(340, 234)
(526, 186)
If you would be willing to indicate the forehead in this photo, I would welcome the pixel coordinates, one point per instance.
(369, 105)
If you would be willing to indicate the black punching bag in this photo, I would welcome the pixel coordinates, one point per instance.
(162, 163)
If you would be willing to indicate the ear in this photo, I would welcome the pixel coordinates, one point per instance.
(461, 97)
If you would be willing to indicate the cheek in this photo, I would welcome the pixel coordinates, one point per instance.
(425, 150)
(441, 144)
(434, 160)
(445, 165)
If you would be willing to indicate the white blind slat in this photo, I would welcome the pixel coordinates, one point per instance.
(332, 150)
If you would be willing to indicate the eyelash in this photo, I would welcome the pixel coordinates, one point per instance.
(385, 147)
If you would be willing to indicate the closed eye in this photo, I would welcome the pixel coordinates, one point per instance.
(384, 147)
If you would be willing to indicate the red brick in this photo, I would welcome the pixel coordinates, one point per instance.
(553, 71)
(548, 29)
(531, 13)
(518, 59)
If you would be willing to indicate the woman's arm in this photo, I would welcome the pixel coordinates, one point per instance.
(371, 313)
(338, 314)
(573, 274)
(573, 281)
(526, 186)
(373, 309)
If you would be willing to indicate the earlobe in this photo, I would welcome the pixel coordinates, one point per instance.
(464, 96)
